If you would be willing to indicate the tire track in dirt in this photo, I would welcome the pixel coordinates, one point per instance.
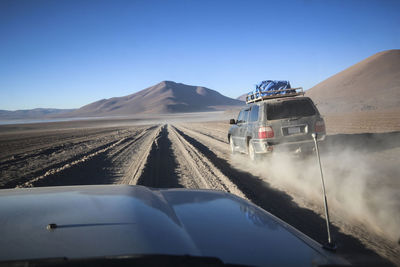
(40, 161)
(118, 159)
(197, 171)
(216, 131)
(160, 168)
(136, 166)
(43, 179)
(121, 157)
(218, 146)
(188, 171)
(208, 134)
(94, 167)
(44, 144)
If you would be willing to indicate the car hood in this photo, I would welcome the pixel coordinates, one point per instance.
(110, 220)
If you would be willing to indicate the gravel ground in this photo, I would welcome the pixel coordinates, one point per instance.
(197, 155)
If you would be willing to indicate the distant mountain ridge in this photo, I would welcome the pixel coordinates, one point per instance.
(164, 97)
(242, 97)
(373, 84)
(36, 113)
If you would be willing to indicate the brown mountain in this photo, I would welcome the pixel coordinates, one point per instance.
(165, 97)
(242, 97)
(370, 85)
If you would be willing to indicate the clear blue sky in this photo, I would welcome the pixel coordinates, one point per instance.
(65, 54)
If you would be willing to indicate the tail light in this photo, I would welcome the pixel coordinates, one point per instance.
(265, 132)
(320, 126)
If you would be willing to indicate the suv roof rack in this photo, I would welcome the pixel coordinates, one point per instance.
(258, 96)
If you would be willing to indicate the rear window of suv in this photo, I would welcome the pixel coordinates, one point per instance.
(290, 109)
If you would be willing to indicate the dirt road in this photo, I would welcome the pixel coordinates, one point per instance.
(189, 155)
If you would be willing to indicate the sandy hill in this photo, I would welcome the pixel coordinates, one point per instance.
(370, 85)
(165, 97)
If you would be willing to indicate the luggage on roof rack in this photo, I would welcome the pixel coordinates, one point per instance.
(272, 89)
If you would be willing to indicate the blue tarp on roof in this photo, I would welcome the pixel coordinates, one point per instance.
(266, 88)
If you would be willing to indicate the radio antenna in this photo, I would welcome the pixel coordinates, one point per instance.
(331, 245)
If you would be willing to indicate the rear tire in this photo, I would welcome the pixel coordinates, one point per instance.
(232, 146)
(252, 154)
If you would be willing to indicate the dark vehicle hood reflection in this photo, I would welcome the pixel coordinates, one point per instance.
(107, 220)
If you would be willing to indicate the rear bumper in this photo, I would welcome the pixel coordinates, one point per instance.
(262, 146)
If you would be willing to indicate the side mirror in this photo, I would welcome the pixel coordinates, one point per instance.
(232, 121)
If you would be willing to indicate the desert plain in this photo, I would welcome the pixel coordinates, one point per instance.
(192, 151)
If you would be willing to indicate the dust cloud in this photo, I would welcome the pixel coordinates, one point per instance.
(362, 186)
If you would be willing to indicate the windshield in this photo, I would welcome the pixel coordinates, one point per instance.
(290, 109)
(140, 93)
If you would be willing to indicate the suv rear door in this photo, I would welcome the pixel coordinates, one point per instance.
(242, 129)
(252, 126)
(292, 120)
